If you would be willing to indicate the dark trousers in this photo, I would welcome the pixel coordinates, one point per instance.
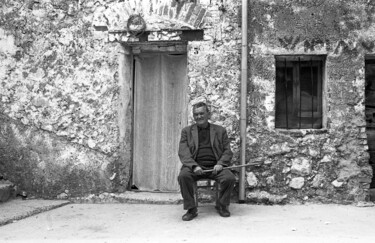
(187, 178)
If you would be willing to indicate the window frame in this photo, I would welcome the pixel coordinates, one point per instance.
(296, 62)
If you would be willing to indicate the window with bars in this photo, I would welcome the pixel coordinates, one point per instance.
(299, 81)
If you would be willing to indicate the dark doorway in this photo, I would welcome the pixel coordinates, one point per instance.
(370, 110)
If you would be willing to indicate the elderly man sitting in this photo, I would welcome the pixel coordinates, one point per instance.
(204, 146)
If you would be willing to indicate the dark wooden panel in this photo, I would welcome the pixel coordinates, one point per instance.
(192, 35)
(371, 139)
(370, 117)
(370, 98)
(372, 157)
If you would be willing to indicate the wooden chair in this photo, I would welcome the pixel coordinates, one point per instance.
(206, 183)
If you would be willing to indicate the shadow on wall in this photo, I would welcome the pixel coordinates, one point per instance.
(45, 166)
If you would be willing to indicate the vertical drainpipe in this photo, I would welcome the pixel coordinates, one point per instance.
(243, 119)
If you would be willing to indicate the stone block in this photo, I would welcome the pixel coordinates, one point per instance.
(297, 183)
(265, 197)
(166, 11)
(192, 19)
(277, 149)
(318, 181)
(178, 10)
(252, 180)
(301, 166)
(189, 13)
(199, 19)
(171, 13)
(270, 180)
(160, 11)
(348, 169)
(337, 183)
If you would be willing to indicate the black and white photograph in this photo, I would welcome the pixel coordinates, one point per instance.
(187, 121)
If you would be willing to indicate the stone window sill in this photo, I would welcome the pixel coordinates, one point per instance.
(302, 132)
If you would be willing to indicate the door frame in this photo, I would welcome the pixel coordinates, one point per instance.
(126, 100)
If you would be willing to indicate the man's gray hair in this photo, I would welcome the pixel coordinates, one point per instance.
(201, 104)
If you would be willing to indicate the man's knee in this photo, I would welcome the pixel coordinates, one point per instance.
(229, 177)
(184, 176)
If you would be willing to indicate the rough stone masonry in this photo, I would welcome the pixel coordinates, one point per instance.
(59, 94)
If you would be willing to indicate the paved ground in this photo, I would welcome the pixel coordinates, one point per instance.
(162, 223)
(14, 210)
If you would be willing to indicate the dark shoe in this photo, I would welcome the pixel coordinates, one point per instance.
(190, 214)
(223, 211)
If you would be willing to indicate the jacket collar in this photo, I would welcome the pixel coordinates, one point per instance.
(194, 131)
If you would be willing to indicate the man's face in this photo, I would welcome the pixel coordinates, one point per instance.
(201, 115)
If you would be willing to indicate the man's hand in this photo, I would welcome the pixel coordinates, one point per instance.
(217, 168)
(198, 170)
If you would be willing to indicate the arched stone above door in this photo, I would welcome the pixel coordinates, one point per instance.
(164, 19)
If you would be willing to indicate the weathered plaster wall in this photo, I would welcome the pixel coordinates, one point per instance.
(330, 164)
(60, 71)
(58, 84)
(214, 68)
(44, 164)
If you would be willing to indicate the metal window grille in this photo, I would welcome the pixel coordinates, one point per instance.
(299, 81)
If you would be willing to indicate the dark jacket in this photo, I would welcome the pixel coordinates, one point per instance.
(188, 148)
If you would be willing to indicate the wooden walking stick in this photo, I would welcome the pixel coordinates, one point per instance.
(235, 166)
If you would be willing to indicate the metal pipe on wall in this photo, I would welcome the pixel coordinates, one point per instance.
(243, 105)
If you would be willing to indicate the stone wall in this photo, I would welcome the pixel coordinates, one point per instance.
(59, 96)
(58, 99)
(214, 69)
(330, 164)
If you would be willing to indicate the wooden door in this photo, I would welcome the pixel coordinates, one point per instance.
(160, 112)
(370, 111)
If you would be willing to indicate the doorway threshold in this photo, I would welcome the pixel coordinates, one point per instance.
(136, 196)
(140, 197)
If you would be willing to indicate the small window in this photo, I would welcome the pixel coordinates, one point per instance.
(299, 81)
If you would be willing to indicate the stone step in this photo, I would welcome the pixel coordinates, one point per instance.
(205, 196)
(17, 209)
(132, 197)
